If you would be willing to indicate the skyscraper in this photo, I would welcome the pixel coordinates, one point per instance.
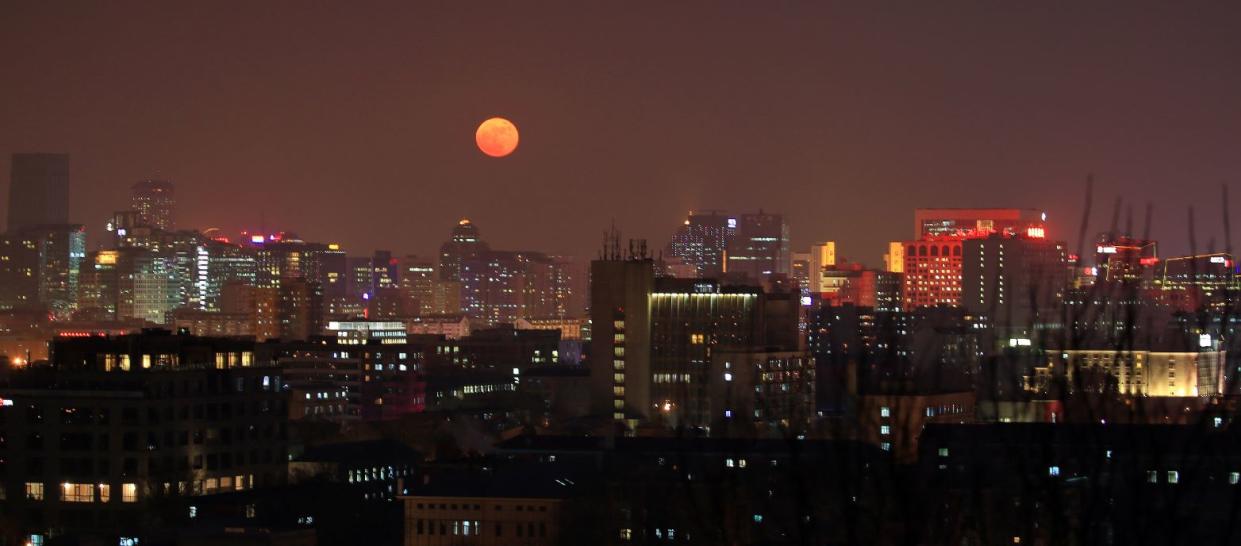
(38, 190)
(465, 244)
(760, 246)
(154, 201)
(702, 242)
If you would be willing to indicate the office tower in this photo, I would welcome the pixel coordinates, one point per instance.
(964, 223)
(386, 272)
(570, 283)
(1120, 258)
(1017, 282)
(217, 264)
(500, 287)
(258, 303)
(38, 190)
(39, 266)
(702, 242)
(146, 285)
(154, 201)
(284, 255)
(620, 346)
(1202, 281)
(894, 258)
(334, 275)
(853, 284)
(125, 417)
(417, 285)
(465, 244)
(822, 256)
(799, 270)
(933, 261)
(299, 310)
(759, 248)
(98, 285)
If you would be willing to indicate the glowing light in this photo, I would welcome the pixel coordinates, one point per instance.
(106, 257)
(333, 246)
(496, 137)
(1218, 260)
(1035, 232)
(464, 222)
(256, 239)
(1106, 249)
(1148, 261)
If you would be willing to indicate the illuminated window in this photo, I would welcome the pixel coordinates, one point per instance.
(885, 412)
(105, 492)
(885, 430)
(77, 492)
(1174, 476)
(34, 491)
(129, 492)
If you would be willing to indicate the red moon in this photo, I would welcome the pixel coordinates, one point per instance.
(496, 137)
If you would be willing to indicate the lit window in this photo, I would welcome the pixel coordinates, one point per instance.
(34, 491)
(943, 452)
(1053, 471)
(77, 492)
(1174, 476)
(885, 412)
(885, 430)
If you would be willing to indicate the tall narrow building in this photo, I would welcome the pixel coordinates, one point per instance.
(154, 201)
(38, 190)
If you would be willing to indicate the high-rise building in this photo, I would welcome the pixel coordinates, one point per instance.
(38, 190)
(146, 285)
(759, 248)
(500, 287)
(154, 201)
(39, 266)
(299, 310)
(1017, 282)
(933, 260)
(656, 343)
(620, 346)
(702, 242)
(465, 244)
(1121, 258)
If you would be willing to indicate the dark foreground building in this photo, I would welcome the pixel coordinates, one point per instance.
(117, 437)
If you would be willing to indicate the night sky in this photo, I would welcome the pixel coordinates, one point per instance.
(354, 122)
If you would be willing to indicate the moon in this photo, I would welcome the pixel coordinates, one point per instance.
(496, 137)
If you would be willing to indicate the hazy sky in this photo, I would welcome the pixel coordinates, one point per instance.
(353, 121)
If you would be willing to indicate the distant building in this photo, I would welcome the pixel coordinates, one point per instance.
(1018, 282)
(933, 261)
(38, 190)
(702, 242)
(465, 244)
(155, 201)
(40, 266)
(759, 248)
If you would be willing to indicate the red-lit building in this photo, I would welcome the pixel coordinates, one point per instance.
(851, 283)
(933, 260)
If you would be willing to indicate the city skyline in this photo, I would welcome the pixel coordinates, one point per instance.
(849, 118)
